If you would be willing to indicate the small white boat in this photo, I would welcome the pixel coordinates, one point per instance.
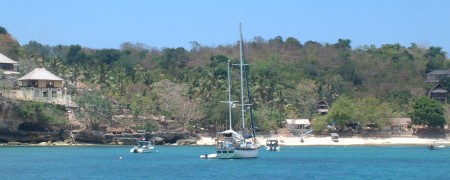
(142, 146)
(435, 145)
(208, 156)
(272, 145)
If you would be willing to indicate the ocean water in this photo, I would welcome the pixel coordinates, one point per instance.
(183, 162)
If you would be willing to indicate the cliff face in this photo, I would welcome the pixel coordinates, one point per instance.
(9, 121)
(14, 129)
(31, 137)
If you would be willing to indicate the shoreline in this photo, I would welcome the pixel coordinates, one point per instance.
(343, 141)
(283, 141)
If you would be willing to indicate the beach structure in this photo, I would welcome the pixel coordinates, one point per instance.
(334, 137)
(298, 126)
(439, 93)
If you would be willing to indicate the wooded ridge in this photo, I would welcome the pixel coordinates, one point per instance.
(180, 89)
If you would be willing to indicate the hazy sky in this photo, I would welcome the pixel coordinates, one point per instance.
(175, 23)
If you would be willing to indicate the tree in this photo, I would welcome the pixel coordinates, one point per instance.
(173, 58)
(293, 43)
(3, 30)
(75, 55)
(95, 109)
(343, 44)
(174, 102)
(428, 112)
(107, 56)
(435, 59)
(342, 111)
(370, 110)
(9, 46)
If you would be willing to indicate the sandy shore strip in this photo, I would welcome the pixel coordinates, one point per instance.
(343, 141)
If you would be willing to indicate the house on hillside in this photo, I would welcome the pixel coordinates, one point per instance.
(437, 75)
(298, 125)
(322, 107)
(8, 65)
(42, 85)
(438, 93)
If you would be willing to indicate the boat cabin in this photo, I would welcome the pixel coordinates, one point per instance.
(272, 142)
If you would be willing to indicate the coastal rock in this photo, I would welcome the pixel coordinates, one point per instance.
(187, 142)
(158, 140)
(31, 137)
(91, 137)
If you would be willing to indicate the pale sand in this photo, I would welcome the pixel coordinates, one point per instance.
(343, 141)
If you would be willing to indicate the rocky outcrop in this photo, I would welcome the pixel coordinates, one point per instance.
(97, 137)
(32, 137)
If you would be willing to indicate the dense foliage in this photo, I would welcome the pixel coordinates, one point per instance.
(44, 116)
(428, 112)
(287, 77)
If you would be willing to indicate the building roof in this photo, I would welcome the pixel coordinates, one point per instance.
(6, 60)
(437, 89)
(400, 121)
(40, 74)
(440, 72)
(297, 121)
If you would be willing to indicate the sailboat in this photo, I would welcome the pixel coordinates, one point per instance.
(231, 144)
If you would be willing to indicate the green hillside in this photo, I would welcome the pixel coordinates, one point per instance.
(288, 77)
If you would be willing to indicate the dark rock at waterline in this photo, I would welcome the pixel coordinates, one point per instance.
(32, 137)
(95, 137)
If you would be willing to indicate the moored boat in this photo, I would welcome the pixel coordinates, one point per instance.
(208, 156)
(435, 145)
(143, 146)
(272, 144)
(230, 144)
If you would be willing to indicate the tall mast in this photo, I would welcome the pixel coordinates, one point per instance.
(230, 103)
(241, 64)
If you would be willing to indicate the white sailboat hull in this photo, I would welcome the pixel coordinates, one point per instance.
(237, 154)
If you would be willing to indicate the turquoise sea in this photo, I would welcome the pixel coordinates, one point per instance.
(183, 162)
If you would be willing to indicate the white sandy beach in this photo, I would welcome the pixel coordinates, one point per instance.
(343, 141)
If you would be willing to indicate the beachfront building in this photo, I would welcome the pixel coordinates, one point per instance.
(438, 93)
(398, 126)
(297, 126)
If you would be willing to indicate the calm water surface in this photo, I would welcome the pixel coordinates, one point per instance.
(183, 162)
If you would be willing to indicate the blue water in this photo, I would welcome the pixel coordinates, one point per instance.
(183, 162)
